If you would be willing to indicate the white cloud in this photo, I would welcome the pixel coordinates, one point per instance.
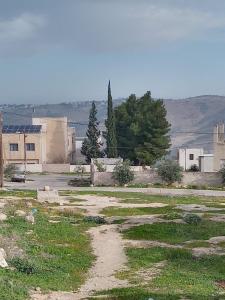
(20, 28)
(169, 24)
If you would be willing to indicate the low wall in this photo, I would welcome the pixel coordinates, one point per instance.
(32, 168)
(106, 179)
(56, 168)
(197, 178)
(151, 177)
(78, 168)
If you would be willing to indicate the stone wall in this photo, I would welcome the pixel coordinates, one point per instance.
(151, 177)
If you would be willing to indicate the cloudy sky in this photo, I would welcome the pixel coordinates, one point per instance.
(66, 50)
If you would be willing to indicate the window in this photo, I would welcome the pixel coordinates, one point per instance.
(13, 147)
(30, 147)
(191, 156)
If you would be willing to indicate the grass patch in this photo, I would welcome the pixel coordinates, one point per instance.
(57, 256)
(182, 277)
(18, 193)
(176, 233)
(130, 197)
(121, 212)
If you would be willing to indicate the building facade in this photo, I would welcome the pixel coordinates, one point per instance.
(219, 146)
(189, 157)
(46, 141)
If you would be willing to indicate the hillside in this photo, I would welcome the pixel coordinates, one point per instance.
(192, 119)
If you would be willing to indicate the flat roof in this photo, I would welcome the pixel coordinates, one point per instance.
(21, 129)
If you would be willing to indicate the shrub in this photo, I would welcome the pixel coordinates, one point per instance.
(172, 216)
(194, 168)
(9, 170)
(192, 219)
(24, 266)
(122, 173)
(170, 171)
(95, 219)
(222, 173)
(100, 166)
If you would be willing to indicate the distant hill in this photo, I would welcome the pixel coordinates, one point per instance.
(192, 119)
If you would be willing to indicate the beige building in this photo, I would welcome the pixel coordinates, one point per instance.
(46, 141)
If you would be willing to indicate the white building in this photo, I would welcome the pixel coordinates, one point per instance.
(189, 157)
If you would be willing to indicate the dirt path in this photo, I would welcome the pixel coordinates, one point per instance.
(108, 248)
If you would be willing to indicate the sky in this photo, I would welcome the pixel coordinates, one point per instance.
(66, 50)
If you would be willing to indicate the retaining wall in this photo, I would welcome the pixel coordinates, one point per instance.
(151, 177)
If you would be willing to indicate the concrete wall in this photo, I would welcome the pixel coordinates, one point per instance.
(32, 168)
(151, 177)
(56, 168)
(77, 168)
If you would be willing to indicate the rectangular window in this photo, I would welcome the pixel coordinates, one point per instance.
(30, 147)
(191, 157)
(13, 147)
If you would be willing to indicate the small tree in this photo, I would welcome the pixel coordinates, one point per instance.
(222, 173)
(122, 173)
(91, 147)
(111, 142)
(170, 171)
(10, 170)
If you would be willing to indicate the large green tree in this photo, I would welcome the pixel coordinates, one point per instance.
(111, 143)
(142, 129)
(91, 147)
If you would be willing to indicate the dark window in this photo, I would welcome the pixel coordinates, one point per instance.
(30, 147)
(191, 156)
(13, 147)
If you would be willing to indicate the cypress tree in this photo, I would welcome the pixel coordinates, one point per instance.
(111, 143)
(91, 147)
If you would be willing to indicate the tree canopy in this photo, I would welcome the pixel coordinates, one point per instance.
(91, 147)
(142, 129)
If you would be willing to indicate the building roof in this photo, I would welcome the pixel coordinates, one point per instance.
(21, 129)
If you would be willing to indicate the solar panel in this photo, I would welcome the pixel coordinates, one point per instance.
(21, 129)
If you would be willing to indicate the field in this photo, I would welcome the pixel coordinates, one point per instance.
(126, 245)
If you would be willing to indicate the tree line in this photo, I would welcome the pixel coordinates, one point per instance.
(137, 130)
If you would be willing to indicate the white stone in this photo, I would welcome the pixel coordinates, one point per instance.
(30, 218)
(3, 217)
(3, 263)
(46, 188)
(20, 213)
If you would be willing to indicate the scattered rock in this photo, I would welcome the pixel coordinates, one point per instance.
(30, 218)
(3, 263)
(20, 213)
(3, 217)
(217, 239)
(196, 207)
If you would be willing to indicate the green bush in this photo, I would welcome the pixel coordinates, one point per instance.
(122, 173)
(192, 219)
(170, 171)
(194, 168)
(9, 170)
(24, 266)
(95, 219)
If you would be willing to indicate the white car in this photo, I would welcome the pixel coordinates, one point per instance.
(18, 177)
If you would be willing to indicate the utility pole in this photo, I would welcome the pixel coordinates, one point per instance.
(1, 153)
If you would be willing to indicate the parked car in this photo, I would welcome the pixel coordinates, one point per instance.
(18, 177)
